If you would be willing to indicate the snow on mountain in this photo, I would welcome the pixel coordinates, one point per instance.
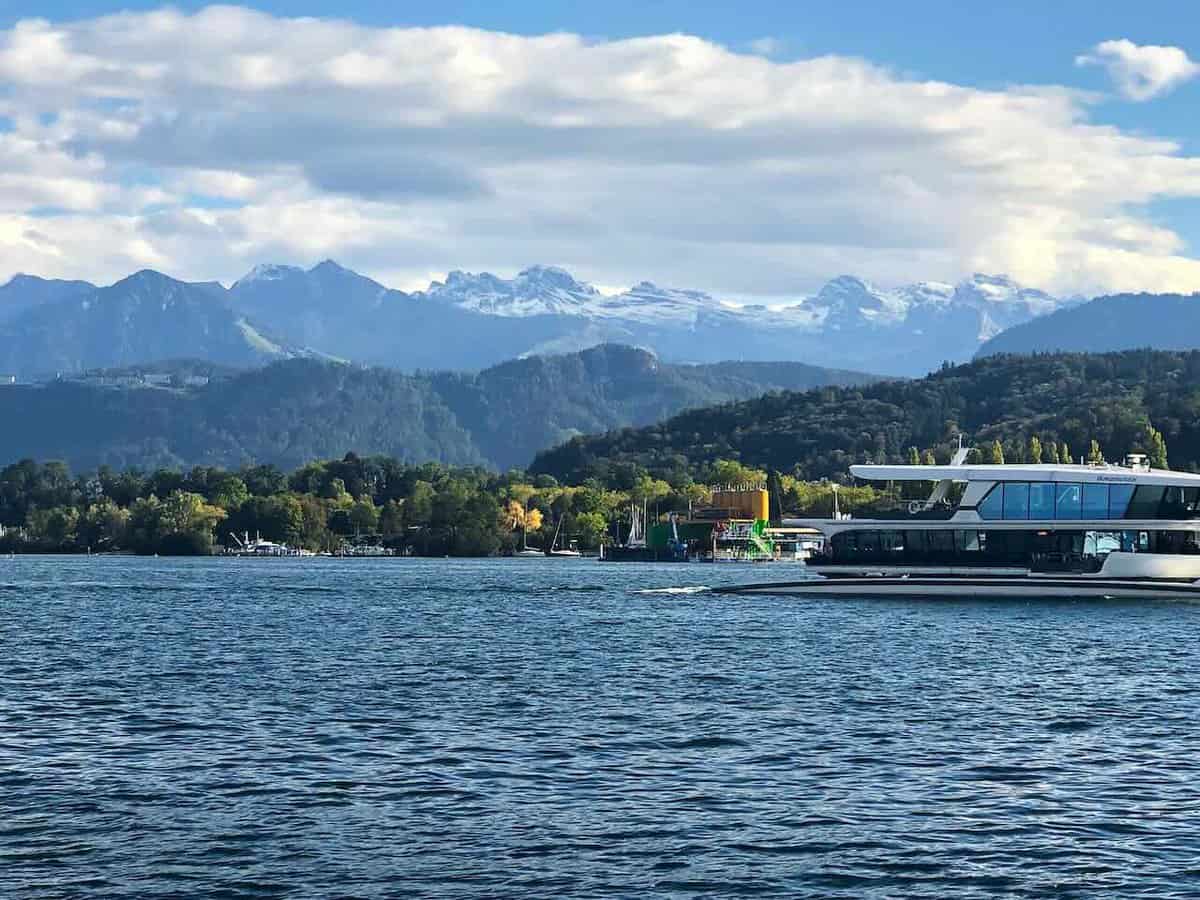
(848, 302)
(472, 320)
(548, 290)
(650, 304)
(1001, 303)
(845, 303)
(536, 291)
(995, 301)
(267, 272)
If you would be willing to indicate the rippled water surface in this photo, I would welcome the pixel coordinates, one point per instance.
(398, 728)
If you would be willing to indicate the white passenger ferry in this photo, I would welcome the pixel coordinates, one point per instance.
(1016, 530)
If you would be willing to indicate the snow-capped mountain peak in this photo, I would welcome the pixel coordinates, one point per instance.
(267, 272)
(647, 302)
(846, 301)
(537, 290)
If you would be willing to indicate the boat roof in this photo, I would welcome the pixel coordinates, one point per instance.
(1023, 472)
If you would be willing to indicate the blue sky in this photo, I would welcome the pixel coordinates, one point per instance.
(998, 50)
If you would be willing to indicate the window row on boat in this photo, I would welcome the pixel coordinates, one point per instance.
(1034, 500)
(1041, 549)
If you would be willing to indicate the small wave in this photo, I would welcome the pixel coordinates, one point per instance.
(674, 591)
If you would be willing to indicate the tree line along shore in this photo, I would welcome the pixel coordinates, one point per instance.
(423, 510)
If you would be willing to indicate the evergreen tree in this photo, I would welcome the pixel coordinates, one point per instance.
(1153, 445)
(1158, 452)
(996, 455)
(1035, 450)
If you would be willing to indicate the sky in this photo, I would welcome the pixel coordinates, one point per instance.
(753, 150)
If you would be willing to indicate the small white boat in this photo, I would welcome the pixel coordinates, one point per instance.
(260, 549)
(562, 552)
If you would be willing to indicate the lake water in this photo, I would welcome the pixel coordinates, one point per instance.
(440, 728)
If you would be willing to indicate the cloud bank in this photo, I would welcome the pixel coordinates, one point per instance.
(204, 143)
(1141, 72)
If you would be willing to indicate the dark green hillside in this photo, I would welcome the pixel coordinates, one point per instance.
(1073, 397)
(286, 414)
(299, 410)
(517, 408)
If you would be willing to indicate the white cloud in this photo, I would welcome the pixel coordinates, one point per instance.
(205, 143)
(767, 46)
(1141, 72)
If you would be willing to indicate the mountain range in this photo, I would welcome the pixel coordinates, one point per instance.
(472, 321)
(293, 411)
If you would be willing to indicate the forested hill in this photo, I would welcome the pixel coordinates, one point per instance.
(295, 411)
(1075, 398)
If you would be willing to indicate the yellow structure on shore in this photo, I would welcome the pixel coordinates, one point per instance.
(743, 503)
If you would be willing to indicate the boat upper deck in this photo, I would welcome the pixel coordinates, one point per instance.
(1045, 472)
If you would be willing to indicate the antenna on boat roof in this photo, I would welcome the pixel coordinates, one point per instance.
(961, 454)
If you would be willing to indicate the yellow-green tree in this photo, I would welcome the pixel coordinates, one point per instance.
(592, 529)
(364, 515)
(1035, 450)
(728, 471)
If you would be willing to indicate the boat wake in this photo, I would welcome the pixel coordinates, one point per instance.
(674, 591)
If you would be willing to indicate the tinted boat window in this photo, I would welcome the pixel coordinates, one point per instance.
(1095, 501)
(1145, 503)
(1016, 500)
(1041, 501)
(1118, 499)
(1068, 501)
(1179, 503)
(992, 506)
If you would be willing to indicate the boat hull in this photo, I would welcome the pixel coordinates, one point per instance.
(1025, 587)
